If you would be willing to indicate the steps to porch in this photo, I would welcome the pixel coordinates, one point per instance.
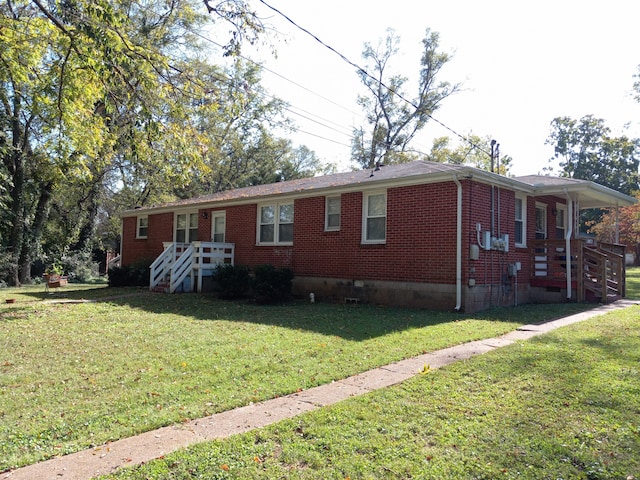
(182, 266)
(597, 271)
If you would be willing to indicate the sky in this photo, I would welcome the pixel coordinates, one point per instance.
(521, 64)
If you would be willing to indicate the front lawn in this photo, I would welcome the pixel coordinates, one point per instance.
(74, 375)
(565, 405)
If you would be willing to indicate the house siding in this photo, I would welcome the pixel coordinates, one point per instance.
(416, 266)
(134, 249)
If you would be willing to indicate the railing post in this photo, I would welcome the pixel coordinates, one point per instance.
(580, 294)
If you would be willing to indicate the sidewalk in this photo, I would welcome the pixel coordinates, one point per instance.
(147, 446)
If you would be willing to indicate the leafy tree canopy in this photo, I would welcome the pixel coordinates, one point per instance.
(393, 117)
(106, 105)
(585, 149)
(475, 152)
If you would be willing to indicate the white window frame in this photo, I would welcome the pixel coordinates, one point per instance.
(327, 213)
(187, 234)
(561, 212)
(366, 217)
(542, 206)
(218, 214)
(277, 206)
(139, 226)
(522, 220)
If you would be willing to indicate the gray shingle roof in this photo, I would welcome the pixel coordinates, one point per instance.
(359, 177)
(591, 194)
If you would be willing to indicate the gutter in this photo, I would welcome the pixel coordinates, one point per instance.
(458, 246)
(568, 236)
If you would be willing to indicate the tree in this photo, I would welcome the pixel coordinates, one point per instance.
(89, 100)
(586, 150)
(475, 151)
(393, 119)
(621, 226)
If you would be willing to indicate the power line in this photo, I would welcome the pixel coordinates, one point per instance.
(262, 67)
(367, 74)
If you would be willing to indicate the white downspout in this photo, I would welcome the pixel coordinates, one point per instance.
(458, 246)
(567, 247)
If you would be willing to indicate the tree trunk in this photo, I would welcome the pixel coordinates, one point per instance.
(88, 228)
(31, 242)
(16, 233)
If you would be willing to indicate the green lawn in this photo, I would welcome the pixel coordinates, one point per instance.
(562, 406)
(80, 374)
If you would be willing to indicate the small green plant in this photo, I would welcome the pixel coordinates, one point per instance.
(271, 284)
(232, 281)
(55, 268)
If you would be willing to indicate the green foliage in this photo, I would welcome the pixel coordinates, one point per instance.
(232, 281)
(586, 150)
(80, 267)
(271, 284)
(103, 105)
(473, 152)
(393, 121)
(134, 275)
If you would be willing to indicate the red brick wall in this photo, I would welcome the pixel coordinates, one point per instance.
(420, 244)
(160, 230)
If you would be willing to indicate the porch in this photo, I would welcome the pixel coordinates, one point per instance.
(183, 265)
(596, 270)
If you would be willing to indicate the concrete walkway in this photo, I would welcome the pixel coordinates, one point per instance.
(143, 448)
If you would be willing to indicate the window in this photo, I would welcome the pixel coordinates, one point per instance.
(375, 218)
(143, 227)
(275, 224)
(521, 221)
(560, 221)
(186, 227)
(332, 213)
(218, 226)
(541, 221)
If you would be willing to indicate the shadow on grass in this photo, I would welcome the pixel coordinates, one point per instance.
(351, 322)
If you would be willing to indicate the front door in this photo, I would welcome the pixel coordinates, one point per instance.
(218, 227)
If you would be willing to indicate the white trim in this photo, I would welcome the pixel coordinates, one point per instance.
(138, 220)
(276, 222)
(218, 214)
(523, 219)
(561, 207)
(328, 228)
(542, 206)
(187, 236)
(365, 216)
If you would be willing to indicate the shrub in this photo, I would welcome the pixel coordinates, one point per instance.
(7, 265)
(271, 284)
(80, 266)
(134, 275)
(231, 281)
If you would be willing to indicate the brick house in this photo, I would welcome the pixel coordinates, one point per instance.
(418, 234)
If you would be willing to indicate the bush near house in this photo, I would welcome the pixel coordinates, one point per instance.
(271, 284)
(134, 275)
(232, 281)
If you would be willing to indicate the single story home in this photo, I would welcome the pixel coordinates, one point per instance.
(417, 234)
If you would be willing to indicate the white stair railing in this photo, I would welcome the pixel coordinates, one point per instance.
(182, 267)
(178, 260)
(209, 255)
(161, 266)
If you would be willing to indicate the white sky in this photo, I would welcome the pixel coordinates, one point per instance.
(521, 64)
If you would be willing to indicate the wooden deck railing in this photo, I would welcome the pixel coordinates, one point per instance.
(598, 269)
